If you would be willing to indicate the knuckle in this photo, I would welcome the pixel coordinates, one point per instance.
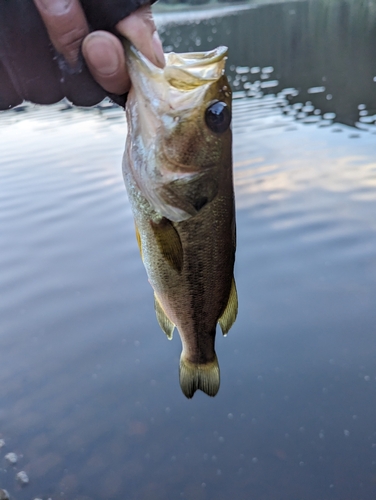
(70, 41)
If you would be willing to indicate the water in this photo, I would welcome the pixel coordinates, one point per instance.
(89, 393)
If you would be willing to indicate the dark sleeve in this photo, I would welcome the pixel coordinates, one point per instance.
(30, 68)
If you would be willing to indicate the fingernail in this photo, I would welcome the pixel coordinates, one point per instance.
(103, 56)
(56, 7)
(158, 50)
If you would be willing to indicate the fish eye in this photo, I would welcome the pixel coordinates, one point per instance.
(218, 117)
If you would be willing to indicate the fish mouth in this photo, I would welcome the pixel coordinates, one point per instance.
(190, 70)
(184, 71)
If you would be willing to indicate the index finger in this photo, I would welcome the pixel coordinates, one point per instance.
(66, 25)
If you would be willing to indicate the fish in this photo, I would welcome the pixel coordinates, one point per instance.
(177, 169)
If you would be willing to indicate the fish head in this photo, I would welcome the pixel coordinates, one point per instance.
(180, 120)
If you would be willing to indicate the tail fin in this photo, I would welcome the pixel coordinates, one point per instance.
(204, 377)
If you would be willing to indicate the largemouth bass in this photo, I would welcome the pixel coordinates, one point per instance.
(178, 173)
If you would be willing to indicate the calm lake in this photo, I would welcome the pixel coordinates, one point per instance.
(89, 392)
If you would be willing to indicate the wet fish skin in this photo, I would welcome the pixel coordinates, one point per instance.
(189, 260)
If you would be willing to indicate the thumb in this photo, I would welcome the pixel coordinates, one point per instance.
(139, 28)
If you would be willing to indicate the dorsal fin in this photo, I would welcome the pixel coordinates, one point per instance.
(229, 314)
(169, 243)
(204, 377)
(164, 321)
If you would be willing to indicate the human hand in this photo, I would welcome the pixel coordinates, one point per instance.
(68, 30)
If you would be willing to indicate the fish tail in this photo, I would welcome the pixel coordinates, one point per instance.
(204, 377)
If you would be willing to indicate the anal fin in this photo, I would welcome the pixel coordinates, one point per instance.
(164, 321)
(231, 311)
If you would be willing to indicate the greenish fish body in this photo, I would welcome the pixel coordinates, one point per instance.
(178, 173)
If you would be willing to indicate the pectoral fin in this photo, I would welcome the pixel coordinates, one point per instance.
(229, 314)
(164, 321)
(169, 243)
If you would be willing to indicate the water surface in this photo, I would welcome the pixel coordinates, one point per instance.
(89, 391)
